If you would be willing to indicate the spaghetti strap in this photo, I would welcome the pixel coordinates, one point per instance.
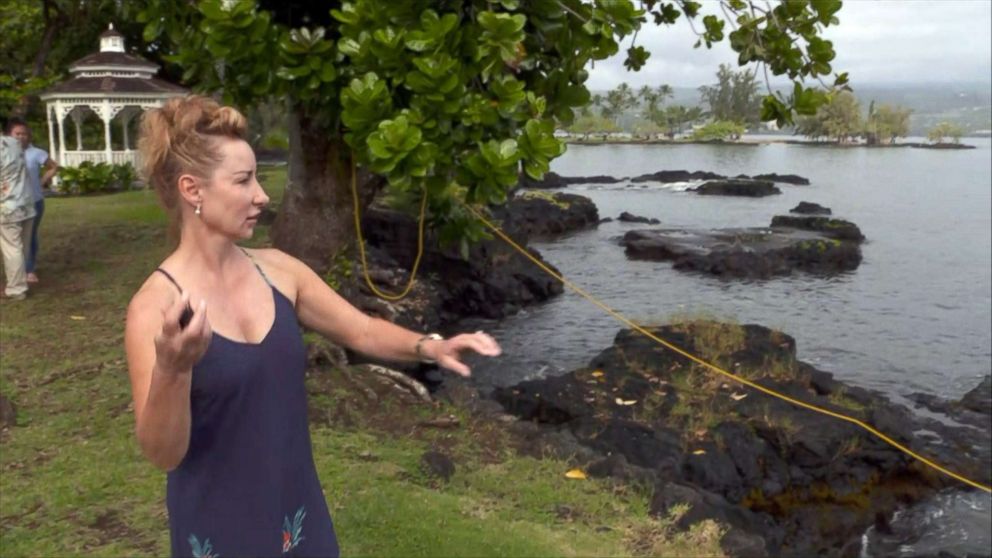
(170, 278)
(259, 268)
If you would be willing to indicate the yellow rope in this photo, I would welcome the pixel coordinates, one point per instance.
(721, 371)
(361, 242)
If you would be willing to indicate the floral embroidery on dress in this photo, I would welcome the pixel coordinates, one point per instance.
(292, 532)
(206, 550)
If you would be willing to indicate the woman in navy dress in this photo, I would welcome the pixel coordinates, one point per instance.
(219, 396)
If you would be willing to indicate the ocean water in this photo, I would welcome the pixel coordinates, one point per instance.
(915, 316)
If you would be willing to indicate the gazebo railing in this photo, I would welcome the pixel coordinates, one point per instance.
(75, 158)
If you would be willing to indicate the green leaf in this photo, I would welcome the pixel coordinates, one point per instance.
(152, 30)
(292, 73)
(773, 109)
(637, 57)
(328, 72)
(350, 47)
(825, 10)
(213, 9)
(347, 15)
(508, 150)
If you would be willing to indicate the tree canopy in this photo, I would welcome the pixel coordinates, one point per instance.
(735, 97)
(840, 119)
(886, 123)
(453, 98)
(673, 119)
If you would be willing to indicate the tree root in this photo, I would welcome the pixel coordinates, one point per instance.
(402, 380)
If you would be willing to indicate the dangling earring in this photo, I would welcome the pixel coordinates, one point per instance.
(197, 209)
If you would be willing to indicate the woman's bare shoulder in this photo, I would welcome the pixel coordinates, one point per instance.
(272, 256)
(154, 296)
(279, 261)
(283, 270)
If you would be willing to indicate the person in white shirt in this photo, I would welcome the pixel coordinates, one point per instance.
(16, 216)
(40, 170)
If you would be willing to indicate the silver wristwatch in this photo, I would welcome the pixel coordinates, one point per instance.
(420, 343)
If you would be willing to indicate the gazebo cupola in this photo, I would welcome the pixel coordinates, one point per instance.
(111, 41)
(111, 84)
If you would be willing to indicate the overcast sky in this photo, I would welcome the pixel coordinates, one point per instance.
(877, 42)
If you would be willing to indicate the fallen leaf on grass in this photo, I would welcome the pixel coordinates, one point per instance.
(575, 474)
(625, 402)
(77, 317)
(699, 452)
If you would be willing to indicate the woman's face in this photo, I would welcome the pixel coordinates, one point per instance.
(234, 199)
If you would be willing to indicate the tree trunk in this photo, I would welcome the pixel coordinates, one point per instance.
(316, 219)
(47, 39)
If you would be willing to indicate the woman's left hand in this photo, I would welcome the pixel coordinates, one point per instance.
(447, 352)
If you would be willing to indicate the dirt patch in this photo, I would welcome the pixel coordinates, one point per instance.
(125, 406)
(110, 527)
(8, 521)
(76, 372)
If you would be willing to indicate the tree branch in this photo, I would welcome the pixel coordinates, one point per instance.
(573, 12)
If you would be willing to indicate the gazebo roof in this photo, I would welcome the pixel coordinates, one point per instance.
(122, 59)
(118, 85)
(113, 72)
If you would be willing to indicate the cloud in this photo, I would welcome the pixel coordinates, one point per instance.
(882, 41)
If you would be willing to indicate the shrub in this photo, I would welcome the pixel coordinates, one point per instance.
(719, 130)
(945, 130)
(90, 177)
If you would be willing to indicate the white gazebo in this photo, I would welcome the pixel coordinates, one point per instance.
(112, 85)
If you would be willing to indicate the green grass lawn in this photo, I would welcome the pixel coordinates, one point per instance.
(73, 482)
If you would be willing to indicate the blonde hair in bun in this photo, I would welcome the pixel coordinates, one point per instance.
(179, 138)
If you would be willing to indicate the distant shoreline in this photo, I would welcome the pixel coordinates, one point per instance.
(754, 141)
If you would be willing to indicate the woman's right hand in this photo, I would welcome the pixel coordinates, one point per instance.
(178, 349)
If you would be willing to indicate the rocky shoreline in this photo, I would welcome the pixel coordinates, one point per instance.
(494, 282)
(553, 180)
(783, 480)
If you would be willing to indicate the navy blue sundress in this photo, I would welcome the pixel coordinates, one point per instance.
(248, 485)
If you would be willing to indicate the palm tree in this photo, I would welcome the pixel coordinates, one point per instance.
(674, 118)
(645, 92)
(597, 100)
(650, 100)
(664, 91)
(871, 125)
(617, 101)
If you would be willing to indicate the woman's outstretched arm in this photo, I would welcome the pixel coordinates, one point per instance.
(325, 311)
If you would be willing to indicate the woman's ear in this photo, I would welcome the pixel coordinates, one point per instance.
(189, 189)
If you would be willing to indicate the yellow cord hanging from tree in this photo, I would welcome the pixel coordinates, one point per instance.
(361, 241)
